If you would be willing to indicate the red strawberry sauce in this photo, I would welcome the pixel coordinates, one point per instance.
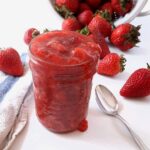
(63, 64)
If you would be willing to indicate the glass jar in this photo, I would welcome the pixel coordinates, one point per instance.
(61, 92)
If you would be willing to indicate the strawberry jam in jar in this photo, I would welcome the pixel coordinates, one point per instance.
(62, 64)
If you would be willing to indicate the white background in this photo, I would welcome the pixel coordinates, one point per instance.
(104, 132)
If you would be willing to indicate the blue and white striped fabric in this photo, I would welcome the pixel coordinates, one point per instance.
(13, 112)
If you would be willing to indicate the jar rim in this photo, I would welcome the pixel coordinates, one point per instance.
(60, 65)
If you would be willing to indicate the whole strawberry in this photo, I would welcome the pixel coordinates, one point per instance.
(83, 6)
(125, 36)
(98, 38)
(30, 34)
(107, 7)
(138, 84)
(100, 24)
(85, 17)
(71, 5)
(93, 3)
(111, 64)
(10, 62)
(71, 24)
(121, 7)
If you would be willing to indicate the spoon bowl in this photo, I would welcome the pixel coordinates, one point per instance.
(108, 103)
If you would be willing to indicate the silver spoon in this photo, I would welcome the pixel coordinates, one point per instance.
(109, 105)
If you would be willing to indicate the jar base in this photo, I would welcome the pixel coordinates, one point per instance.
(53, 130)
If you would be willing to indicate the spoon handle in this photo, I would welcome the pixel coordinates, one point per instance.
(135, 137)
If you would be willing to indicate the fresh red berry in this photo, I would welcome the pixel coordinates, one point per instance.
(125, 36)
(83, 6)
(30, 34)
(71, 24)
(107, 7)
(111, 65)
(100, 24)
(83, 126)
(98, 38)
(121, 7)
(85, 17)
(10, 62)
(72, 5)
(93, 3)
(138, 84)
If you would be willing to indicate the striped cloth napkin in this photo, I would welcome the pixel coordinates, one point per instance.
(13, 105)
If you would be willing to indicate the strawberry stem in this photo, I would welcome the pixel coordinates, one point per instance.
(104, 14)
(133, 35)
(148, 66)
(122, 62)
(123, 4)
(84, 31)
(35, 33)
(45, 30)
(63, 11)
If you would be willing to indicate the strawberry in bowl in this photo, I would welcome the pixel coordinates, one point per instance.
(125, 10)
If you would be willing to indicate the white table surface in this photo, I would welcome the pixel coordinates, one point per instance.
(105, 133)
